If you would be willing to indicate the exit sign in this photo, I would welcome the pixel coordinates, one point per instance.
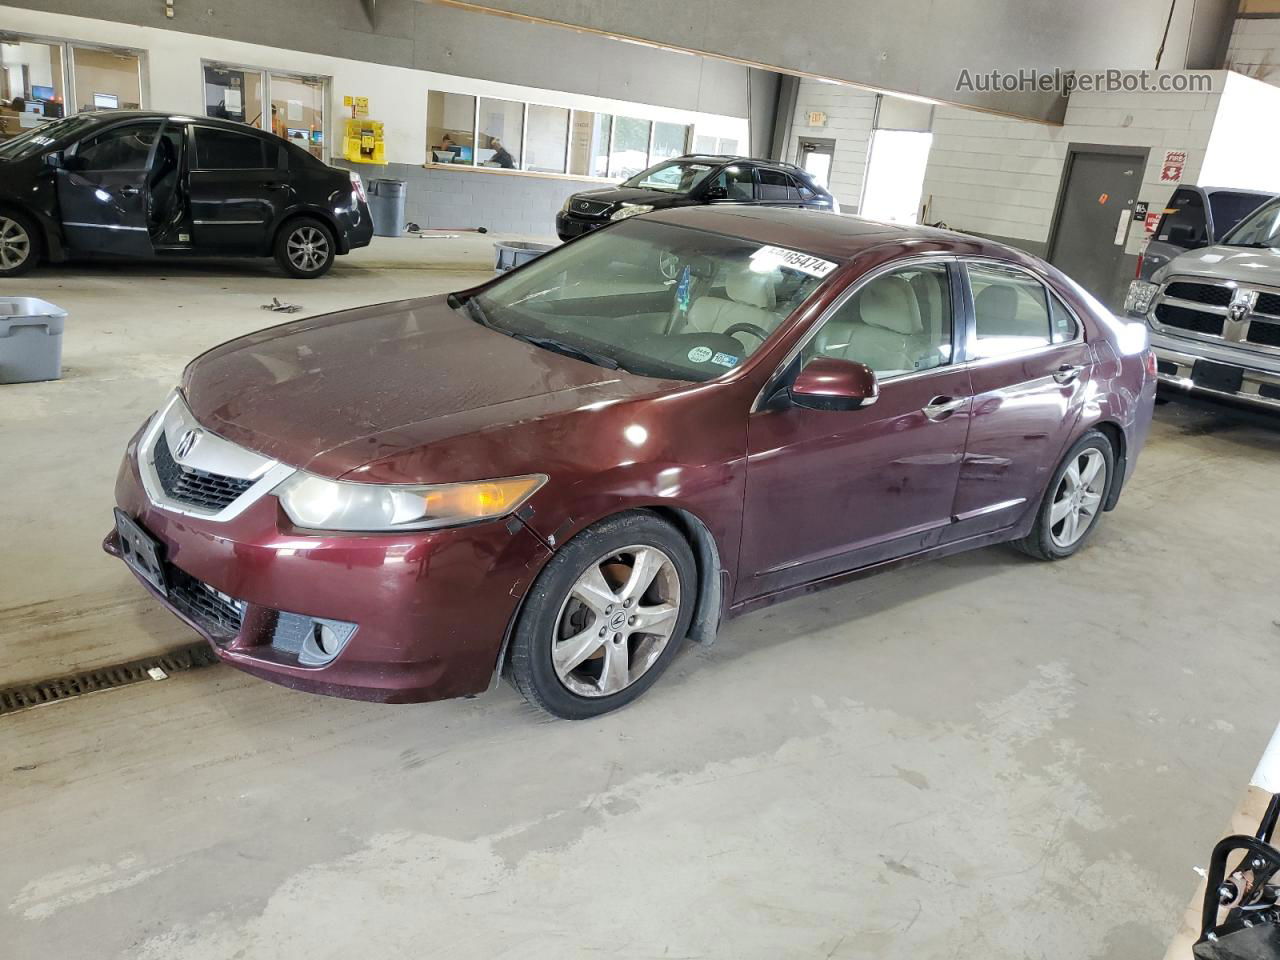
(817, 118)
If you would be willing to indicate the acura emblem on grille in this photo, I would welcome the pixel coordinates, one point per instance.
(185, 443)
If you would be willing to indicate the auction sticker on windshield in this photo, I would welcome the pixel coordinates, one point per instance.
(804, 262)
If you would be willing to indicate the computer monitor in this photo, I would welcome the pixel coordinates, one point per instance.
(42, 93)
(297, 133)
(464, 154)
(106, 101)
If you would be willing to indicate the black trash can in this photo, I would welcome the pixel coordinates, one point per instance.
(386, 204)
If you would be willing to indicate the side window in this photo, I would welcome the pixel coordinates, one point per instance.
(120, 148)
(1010, 311)
(898, 323)
(776, 185)
(1065, 327)
(736, 182)
(1183, 223)
(229, 150)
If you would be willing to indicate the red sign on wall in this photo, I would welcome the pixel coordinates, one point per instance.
(1174, 161)
(1151, 221)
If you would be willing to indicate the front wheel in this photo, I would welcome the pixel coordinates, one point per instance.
(1073, 503)
(305, 248)
(19, 244)
(605, 617)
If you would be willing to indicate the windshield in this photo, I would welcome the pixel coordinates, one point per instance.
(1230, 207)
(1260, 229)
(653, 299)
(42, 137)
(674, 176)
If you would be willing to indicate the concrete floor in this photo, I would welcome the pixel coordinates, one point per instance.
(984, 756)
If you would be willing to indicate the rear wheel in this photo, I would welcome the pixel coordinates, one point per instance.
(305, 248)
(605, 617)
(19, 244)
(1073, 503)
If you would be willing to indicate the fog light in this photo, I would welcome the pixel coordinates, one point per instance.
(326, 641)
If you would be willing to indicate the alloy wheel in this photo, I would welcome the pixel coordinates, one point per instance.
(308, 249)
(617, 619)
(1078, 499)
(15, 244)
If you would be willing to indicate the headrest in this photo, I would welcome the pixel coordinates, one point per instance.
(889, 302)
(996, 302)
(753, 289)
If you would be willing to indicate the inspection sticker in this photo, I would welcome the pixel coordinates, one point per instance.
(804, 262)
(700, 354)
(725, 359)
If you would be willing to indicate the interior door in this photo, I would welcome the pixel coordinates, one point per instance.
(830, 491)
(1031, 374)
(816, 157)
(102, 190)
(238, 184)
(1094, 219)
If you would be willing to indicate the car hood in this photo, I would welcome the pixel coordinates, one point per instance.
(333, 393)
(632, 195)
(1222, 262)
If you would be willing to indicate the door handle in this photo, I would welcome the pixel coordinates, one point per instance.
(939, 408)
(275, 185)
(130, 191)
(1067, 373)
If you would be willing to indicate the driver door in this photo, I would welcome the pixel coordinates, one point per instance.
(102, 190)
(832, 491)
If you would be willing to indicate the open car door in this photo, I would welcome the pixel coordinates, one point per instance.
(102, 189)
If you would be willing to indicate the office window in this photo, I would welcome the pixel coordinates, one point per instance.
(451, 127)
(32, 74)
(589, 143)
(234, 93)
(106, 79)
(669, 140)
(297, 111)
(547, 139)
(629, 152)
(500, 132)
(228, 150)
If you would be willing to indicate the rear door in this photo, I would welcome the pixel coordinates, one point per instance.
(239, 184)
(102, 190)
(1030, 369)
(776, 188)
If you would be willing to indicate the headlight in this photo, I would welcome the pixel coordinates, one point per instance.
(630, 210)
(1141, 293)
(319, 504)
(564, 207)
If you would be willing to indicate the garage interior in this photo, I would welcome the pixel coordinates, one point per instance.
(978, 756)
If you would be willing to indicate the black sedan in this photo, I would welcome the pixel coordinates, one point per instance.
(690, 180)
(136, 184)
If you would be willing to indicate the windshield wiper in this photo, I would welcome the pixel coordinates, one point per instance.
(1255, 245)
(569, 350)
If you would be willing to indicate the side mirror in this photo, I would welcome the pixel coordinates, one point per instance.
(1184, 235)
(829, 383)
(53, 159)
(716, 192)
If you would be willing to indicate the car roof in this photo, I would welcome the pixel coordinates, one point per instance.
(833, 236)
(109, 115)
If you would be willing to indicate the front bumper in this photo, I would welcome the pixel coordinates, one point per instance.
(1176, 357)
(568, 226)
(431, 608)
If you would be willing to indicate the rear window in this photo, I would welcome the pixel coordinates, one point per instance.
(776, 185)
(1229, 207)
(1183, 223)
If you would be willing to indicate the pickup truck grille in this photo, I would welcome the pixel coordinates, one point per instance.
(1187, 319)
(1268, 303)
(1209, 293)
(1200, 309)
(1264, 333)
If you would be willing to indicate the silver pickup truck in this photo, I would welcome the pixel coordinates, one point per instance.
(1214, 315)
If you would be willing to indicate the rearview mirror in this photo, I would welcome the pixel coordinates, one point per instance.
(829, 383)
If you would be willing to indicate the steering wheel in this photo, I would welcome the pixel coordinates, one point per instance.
(749, 328)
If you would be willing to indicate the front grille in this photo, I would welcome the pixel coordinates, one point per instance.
(1185, 318)
(1263, 333)
(212, 491)
(1268, 303)
(1207, 293)
(590, 208)
(218, 613)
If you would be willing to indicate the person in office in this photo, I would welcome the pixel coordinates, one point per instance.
(500, 155)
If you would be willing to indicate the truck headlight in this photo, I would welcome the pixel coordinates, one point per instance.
(317, 503)
(1138, 300)
(630, 210)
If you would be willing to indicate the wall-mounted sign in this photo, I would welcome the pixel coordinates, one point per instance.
(361, 107)
(1103, 197)
(817, 118)
(1171, 170)
(1140, 210)
(1152, 221)
(348, 101)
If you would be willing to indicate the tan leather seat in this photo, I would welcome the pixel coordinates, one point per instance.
(751, 300)
(995, 311)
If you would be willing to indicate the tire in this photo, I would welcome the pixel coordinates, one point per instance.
(564, 605)
(305, 248)
(1052, 537)
(19, 244)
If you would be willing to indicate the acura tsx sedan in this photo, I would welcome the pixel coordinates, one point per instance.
(561, 474)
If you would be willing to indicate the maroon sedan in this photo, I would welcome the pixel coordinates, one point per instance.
(562, 473)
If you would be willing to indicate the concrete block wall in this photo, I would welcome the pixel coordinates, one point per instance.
(1254, 49)
(850, 113)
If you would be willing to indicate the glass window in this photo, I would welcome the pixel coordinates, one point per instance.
(1183, 223)
(106, 79)
(895, 175)
(674, 176)
(651, 298)
(629, 151)
(1229, 208)
(1064, 324)
(233, 93)
(228, 150)
(737, 182)
(1010, 311)
(776, 185)
(547, 139)
(898, 323)
(669, 140)
(31, 86)
(1259, 229)
(451, 127)
(297, 111)
(125, 147)
(500, 133)
(589, 144)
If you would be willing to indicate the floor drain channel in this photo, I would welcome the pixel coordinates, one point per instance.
(40, 692)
